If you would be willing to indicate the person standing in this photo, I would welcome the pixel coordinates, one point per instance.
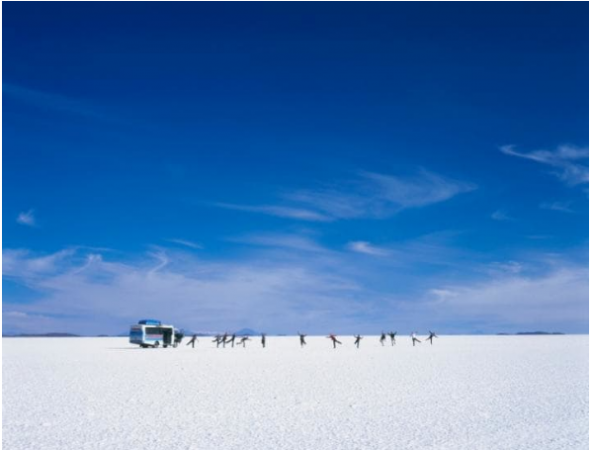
(192, 340)
(334, 340)
(382, 338)
(431, 335)
(263, 340)
(415, 339)
(232, 340)
(357, 340)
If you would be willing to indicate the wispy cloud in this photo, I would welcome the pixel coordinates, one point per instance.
(558, 206)
(501, 216)
(271, 294)
(510, 267)
(366, 248)
(27, 218)
(279, 211)
(570, 163)
(278, 240)
(186, 243)
(23, 264)
(52, 101)
(551, 301)
(369, 195)
(284, 283)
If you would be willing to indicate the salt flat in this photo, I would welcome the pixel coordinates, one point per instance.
(464, 392)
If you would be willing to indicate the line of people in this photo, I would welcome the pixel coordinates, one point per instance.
(227, 339)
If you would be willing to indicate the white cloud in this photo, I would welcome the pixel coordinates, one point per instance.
(285, 283)
(279, 211)
(370, 195)
(27, 218)
(501, 216)
(266, 293)
(186, 243)
(426, 188)
(24, 264)
(570, 163)
(277, 240)
(53, 102)
(366, 248)
(510, 267)
(557, 206)
(558, 298)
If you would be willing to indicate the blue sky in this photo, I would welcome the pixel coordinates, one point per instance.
(321, 167)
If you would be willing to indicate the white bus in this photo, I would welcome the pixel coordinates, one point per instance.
(152, 333)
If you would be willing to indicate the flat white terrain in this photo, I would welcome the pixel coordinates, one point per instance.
(463, 392)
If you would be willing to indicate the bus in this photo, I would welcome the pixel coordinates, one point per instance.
(152, 333)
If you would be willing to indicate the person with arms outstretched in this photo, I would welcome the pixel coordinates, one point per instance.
(334, 340)
(302, 339)
(431, 335)
(357, 340)
(415, 339)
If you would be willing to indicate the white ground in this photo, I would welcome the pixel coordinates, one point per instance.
(461, 393)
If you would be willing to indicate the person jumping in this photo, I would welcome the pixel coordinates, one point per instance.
(415, 339)
(430, 336)
(382, 338)
(357, 340)
(334, 340)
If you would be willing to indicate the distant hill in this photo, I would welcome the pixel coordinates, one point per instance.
(531, 333)
(526, 333)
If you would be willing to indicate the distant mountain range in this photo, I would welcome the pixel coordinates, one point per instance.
(41, 335)
(531, 333)
(241, 332)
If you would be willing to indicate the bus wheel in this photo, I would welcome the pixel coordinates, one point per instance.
(157, 344)
(165, 346)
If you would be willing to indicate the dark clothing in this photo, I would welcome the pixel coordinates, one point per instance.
(302, 340)
(392, 337)
(334, 340)
(431, 336)
(357, 341)
(192, 341)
